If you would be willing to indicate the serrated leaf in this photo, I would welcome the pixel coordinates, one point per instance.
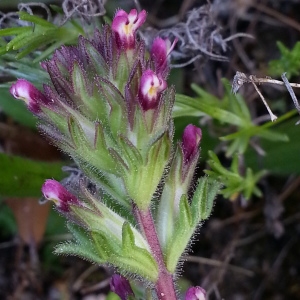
(203, 198)
(138, 261)
(184, 228)
(105, 247)
(81, 251)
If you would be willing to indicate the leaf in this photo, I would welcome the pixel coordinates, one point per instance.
(82, 251)
(234, 183)
(41, 34)
(184, 104)
(35, 19)
(281, 158)
(21, 177)
(288, 62)
(16, 109)
(183, 230)
(203, 198)
(15, 30)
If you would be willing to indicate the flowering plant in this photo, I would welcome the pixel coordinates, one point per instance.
(109, 107)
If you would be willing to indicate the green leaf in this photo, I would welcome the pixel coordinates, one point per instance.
(134, 259)
(16, 109)
(82, 251)
(15, 30)
(234, 183)
(184, 104)
(3, 50)
(288, 62)
(183, 230)
(35, 19)
(281, 158)
(203, 198)
(127, 237)
(21, 177)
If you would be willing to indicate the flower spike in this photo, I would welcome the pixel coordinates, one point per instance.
(55, 192)
(151, 86)
(27, 92)
(125, 26)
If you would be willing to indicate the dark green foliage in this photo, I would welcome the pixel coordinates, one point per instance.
(22, 177)
(288, 62)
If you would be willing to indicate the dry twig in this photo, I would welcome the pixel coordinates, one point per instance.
(241, 78)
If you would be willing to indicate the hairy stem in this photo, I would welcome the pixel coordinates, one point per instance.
(165, 287)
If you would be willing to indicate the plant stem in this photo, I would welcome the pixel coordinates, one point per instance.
(165, 287)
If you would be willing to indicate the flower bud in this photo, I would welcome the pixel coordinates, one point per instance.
(54, 191)
(125, 26)
(151, 86)
(120, 285)
(195, 293)
(26, 91)
(190, 142)
(160, 51)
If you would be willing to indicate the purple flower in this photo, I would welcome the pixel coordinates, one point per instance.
(151, 85)
(26, 91)
(120, 286)
(55, 192)
(125, 26)
(190, 142)
(160, 51)
(195, 293)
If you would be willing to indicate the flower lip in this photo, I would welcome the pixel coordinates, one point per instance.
(151, 86)
(62, 198)
(125, 26)
(26, 91)
(190, 141)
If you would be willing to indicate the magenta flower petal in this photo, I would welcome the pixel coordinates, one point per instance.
(26, 91)
(160, 51)
(150, 89)
(120, 286)
(125, 26)
(55, 192)
(190, 141)
(195, 293)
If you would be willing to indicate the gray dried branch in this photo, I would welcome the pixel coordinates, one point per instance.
(199, 36)
(84, 9)
(240, 79)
